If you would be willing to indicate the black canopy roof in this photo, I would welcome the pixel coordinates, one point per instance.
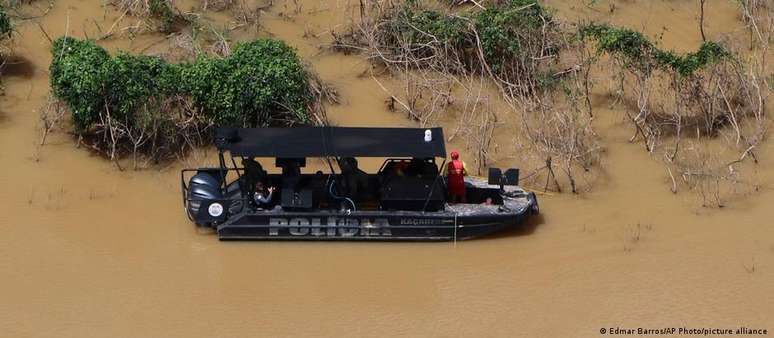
(331, 142)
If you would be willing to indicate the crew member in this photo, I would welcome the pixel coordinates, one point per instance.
(455, 180)
(254, 173)
(262, 195)
(488, 201)
(355, 180)
(399, 168)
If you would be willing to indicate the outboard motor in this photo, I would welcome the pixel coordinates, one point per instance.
(203, 189)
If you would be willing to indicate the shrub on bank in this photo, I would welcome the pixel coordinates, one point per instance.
(143, 104)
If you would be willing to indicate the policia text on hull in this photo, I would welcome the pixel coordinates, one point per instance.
(406, 199)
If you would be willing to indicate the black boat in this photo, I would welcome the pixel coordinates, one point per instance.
(405, 200)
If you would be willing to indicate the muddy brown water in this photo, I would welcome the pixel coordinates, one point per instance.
(90, 251)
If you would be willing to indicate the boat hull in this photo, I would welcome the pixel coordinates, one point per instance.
(371, 225)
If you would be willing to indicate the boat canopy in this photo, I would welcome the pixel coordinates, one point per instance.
(299, 142)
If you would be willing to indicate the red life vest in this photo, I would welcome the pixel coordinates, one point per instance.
(456, 180)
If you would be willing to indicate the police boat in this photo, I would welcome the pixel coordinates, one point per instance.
(405, 200)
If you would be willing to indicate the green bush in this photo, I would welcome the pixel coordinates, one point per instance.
(502, 28)
(5, 24)
(637, 51)
(6, 28)
(422, 26)
(78, 78)
(262, 83)
(511, 37)
(506, 30)
(162, 10)
(134, 81)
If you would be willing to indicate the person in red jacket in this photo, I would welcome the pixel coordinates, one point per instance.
(455, 181)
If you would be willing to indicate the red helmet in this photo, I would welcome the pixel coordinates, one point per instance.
(455, 155)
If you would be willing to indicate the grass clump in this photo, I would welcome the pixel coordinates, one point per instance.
(142, 104)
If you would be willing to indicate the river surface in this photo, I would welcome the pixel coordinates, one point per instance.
(88, 250)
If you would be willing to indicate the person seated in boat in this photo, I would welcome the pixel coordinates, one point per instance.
(263, 195)
(254, 173)
(455, 178)
(399, 168)
(318, 185)
(488, 201)
(413, 167)
(355, 180)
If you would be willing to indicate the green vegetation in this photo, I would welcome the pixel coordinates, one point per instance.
(637, 51)
(262, 83)
(162, 10)
(503, 30)
(509, 40)
(425, 26)
(509, 30)
(77, 77)
(6, 28)
(514, 43)
(696, 95)
(156, 15)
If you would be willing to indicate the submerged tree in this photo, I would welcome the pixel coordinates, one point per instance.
(511, 41)
(682, 101)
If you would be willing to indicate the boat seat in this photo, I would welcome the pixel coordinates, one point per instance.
(412, 193)
(296, 199)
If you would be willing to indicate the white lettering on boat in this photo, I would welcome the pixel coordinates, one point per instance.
(424, 221)
(333, 227)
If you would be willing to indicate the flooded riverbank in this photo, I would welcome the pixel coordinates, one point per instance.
(88, 250)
